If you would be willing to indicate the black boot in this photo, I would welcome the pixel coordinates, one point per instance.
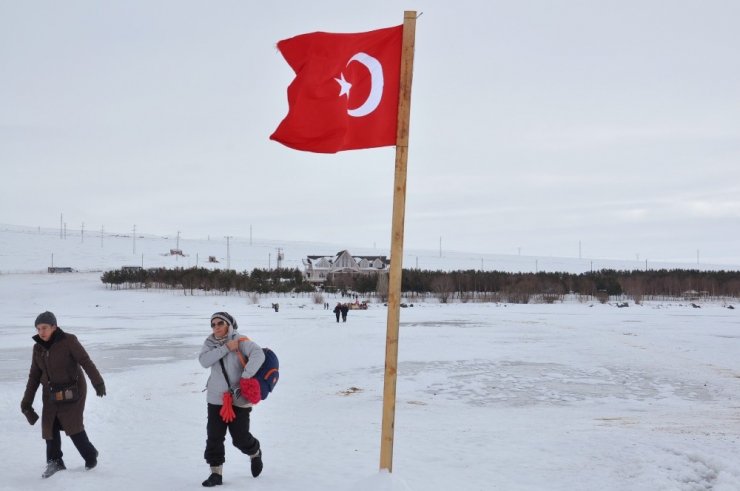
(91, 462)
(213, 480)
(86, 449)
(52, 467)
(256, 464)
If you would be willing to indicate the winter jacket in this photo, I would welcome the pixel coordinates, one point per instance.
(214, 350)
(60, 361)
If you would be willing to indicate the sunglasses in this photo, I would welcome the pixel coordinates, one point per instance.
(217, 324)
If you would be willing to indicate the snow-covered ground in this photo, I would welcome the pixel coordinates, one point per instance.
(573, 396)
(569, 396)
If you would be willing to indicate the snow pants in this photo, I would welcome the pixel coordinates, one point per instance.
(242, 439)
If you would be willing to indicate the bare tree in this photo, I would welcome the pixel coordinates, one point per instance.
(443, 286)
(381, 287)
(635, 287)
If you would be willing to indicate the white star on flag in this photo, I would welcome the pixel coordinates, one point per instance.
(343, 84)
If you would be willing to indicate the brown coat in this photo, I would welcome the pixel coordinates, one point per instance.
(60, 361)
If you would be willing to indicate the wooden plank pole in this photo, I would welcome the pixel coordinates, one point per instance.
(399, 211)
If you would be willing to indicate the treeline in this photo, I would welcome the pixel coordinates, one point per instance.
(521, 287)
(464, 285)
(280, 280)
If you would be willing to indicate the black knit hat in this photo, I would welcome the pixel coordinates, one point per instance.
(46, 318)
(225, 316)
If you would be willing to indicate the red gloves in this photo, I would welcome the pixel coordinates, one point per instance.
(251, 390)
(227, 411)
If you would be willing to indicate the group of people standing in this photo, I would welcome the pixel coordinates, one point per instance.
(57, 364)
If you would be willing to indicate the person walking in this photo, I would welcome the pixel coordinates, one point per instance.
(229, 405)
(338, 310)
(57, 363)
(344, 309)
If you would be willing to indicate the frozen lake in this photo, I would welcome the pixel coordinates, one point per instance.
(574, 396)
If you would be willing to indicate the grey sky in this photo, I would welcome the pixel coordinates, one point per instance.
(534, 125)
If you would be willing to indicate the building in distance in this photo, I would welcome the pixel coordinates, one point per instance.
(319, 268)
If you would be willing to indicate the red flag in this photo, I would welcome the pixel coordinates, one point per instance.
(345, 93)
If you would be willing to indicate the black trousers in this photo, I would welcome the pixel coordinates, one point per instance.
(80, 440)
(242, 439)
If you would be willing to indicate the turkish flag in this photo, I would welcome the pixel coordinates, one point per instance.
(345, 92)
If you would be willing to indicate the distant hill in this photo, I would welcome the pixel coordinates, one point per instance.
(32, 249)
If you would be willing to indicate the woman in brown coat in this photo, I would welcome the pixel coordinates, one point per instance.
(57, 363)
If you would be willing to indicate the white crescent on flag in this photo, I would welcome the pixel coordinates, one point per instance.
(376, 85)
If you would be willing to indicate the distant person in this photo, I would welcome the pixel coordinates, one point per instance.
(228, 407)
(338, 310)
(344, 309)
(56, 363)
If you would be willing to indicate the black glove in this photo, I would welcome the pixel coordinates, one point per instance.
(30, 415)
(100, 389)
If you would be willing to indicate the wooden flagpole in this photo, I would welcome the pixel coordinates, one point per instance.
(399, 210)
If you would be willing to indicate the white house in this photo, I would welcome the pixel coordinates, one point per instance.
(318, 268)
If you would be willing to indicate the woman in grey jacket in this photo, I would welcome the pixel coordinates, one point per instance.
(227, 409)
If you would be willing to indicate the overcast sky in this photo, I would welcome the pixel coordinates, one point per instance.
(536, 126)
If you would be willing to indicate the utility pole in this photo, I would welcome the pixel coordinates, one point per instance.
(134, 239)
(228, 251)
(61, 225)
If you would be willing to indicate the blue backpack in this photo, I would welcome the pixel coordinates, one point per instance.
(269, 373)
